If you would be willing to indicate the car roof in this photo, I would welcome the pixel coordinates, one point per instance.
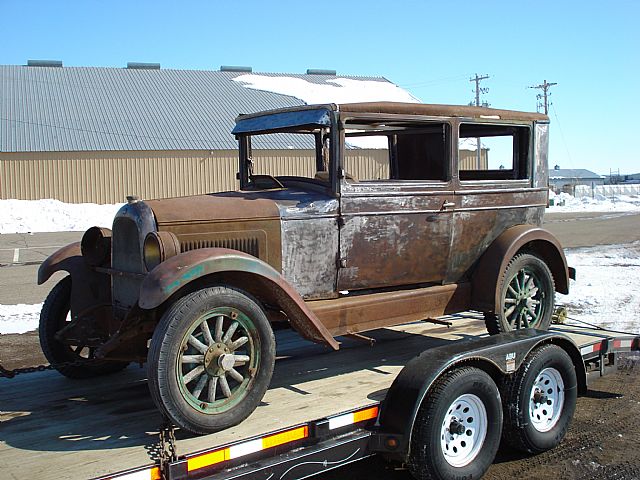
(411, 109)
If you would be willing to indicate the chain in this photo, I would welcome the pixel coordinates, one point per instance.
(168, 452)
(4, 373)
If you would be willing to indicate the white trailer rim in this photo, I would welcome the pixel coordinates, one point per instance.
(464, 430)
(546, 400)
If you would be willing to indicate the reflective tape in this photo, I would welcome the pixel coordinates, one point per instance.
(353, 417)
(152, 473)
(246, 448)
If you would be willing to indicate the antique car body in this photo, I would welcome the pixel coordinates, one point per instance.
(326, 252)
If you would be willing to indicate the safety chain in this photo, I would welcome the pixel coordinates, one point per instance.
(4, 373)
(168, 452)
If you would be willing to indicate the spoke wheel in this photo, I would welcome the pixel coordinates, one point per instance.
(526, 296)
(218, 356)
(540, 399)
(211, 359)
(459, 438)
(71, 360)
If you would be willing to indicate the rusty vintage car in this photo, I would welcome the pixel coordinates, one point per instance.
(446, 218)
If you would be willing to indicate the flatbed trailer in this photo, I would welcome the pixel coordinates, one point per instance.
(322, 411)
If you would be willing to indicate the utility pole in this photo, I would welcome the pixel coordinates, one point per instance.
(543, 98)
(478, 90)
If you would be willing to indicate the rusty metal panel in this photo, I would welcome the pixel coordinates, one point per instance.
(540, 155)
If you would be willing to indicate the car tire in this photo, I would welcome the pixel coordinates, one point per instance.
(539, 400)
(465, 399)
(72, 361)
(526, 296)
(211, 359)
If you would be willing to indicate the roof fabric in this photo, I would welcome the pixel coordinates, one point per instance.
(93, 108)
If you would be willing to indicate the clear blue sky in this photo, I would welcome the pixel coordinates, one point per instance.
(591, 49)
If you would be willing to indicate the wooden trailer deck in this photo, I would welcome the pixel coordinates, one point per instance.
(51, 426)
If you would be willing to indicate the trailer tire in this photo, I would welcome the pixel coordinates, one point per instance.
(539, 400)
(527, 299)
(465, 399)
(211, 359)
(71, 362)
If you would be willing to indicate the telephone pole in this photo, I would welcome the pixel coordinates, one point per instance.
(478, 91)
(543, 98)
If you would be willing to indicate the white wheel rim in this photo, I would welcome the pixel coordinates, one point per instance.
(463, 431)
(546, 400)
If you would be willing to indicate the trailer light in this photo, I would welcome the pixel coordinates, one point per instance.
(391, 443)
(246, 448)
(158, 246)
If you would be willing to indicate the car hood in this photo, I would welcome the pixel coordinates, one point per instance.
(285, 203)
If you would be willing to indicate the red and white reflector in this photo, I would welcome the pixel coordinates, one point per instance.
(586, 350)
(623, 343)
(353, 417)
(245, 448)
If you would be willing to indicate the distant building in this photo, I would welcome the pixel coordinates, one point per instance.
(93, 134)
(617, 179)
(566, 179)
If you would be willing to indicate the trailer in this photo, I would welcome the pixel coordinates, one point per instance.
(322, 410)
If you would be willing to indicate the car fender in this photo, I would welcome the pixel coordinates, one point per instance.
(249, 273)
(486, 275)
(498, 355)
(68, 259)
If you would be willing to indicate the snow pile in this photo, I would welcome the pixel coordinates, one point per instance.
(19, 318)
(605, 292)
(340, 90)
(24, 216)
(599, 203)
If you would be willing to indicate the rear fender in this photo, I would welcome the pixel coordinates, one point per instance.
(486, 276)
(179, 271)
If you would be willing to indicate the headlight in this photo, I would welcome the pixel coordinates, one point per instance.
(96, 246)
(158, 246)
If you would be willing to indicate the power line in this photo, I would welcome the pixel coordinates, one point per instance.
(479, 91)
(543, 98)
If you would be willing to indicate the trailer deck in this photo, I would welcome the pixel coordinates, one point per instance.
(95, 428)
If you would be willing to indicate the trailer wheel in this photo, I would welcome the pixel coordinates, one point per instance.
(211, 359)
(540, 400)
(526, 296)
(457, 429)
(72, 361)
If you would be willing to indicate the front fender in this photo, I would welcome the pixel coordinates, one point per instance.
(485, 294)
(67, 258)
(178, 271)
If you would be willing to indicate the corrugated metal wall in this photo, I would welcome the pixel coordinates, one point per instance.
(108, 177)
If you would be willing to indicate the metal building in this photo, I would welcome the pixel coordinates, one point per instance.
(91, 134)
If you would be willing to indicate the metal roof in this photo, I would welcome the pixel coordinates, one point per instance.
(558, 173)
(95, 108)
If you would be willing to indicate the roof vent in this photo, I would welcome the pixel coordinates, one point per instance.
(319, 71)
(44, 63)
(143, 66)
(235, 68)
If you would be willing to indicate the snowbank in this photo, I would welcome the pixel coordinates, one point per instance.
(599, 203)
(24, 216)
(605, 292)
(19, 318)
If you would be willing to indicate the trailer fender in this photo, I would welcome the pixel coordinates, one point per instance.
(498, 355)
(238, 269)
(536, 240)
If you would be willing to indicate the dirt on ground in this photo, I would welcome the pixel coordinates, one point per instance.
(602, 443)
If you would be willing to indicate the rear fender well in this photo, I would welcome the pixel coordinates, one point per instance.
(486, 275)
(195, 269)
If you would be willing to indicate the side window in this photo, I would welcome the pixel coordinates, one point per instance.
(399, 152)
(493, 152)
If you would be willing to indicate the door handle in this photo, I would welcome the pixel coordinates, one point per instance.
(446, 205)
